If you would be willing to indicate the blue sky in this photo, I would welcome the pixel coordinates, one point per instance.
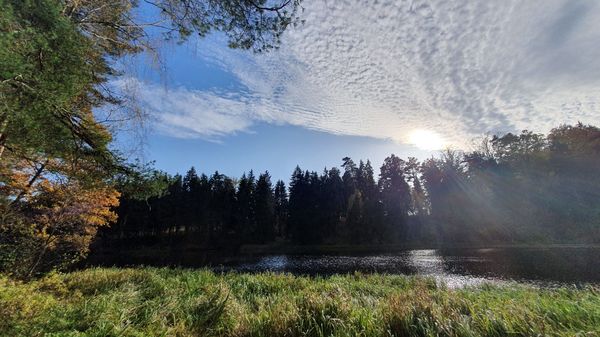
(403, 77)
(273, 147)
(277, 149)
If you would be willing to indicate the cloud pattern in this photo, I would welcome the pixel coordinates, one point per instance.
(385, 68)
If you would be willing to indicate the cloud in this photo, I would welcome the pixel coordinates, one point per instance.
(186, 113)
(386, 68)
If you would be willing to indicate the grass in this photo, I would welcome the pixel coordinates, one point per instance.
(179, 302)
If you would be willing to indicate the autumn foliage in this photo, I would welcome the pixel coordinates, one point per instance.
(50, 216)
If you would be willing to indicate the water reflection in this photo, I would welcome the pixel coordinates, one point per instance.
(430, 263)
(455, 268)
(420, 262)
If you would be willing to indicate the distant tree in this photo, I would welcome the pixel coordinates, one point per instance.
(264, 209)
(444, 180)
(518, 148)
(363, 220)
(349, 177)
(355, 218)
(222, 206)
(315, 230)
(139, 189)
(202, 207)
(412, 171)
(420, 204)
(395, 194)
(376, 230)
(245, 206)
(571, 184)
(281, 208)
(333, 204)
(175, 205)
(578, 139)
(301, 207)
(190, 200)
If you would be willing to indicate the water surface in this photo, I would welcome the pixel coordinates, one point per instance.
(545, 267)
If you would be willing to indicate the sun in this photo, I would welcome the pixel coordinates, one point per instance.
(427, 140)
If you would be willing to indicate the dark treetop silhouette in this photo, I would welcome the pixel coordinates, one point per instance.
(523, 188)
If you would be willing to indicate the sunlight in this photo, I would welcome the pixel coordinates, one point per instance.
(427, 140)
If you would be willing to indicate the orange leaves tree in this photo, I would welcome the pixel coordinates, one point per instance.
(52, 214)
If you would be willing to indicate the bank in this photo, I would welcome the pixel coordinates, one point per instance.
(180, 302)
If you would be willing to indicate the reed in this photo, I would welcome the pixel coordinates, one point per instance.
(180, 302)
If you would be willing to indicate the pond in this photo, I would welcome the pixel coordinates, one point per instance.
(545, 267)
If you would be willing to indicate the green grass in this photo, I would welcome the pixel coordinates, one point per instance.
(179, 302)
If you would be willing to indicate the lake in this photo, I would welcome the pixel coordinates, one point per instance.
(539, 266)
(545, 267)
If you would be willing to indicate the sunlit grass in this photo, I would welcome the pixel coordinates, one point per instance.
(176, 302)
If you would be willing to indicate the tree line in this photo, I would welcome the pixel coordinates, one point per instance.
(523, 187)
(330, 207)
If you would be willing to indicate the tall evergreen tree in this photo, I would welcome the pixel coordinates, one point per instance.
(191, 200)
(395, 194)
(264, 209)
(298, 206)
(174, 203)
(349, 177)
(222, 205)
(245, 204)
(332, 204)
(281, 209)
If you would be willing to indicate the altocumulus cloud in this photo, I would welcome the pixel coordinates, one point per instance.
(385, 68)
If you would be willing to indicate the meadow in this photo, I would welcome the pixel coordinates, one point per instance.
(186, 302)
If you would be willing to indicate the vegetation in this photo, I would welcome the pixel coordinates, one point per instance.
(175, 302)
(58, 174)
(526, 188)
(61, 183)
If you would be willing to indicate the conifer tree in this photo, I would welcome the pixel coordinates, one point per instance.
(395, 194)
(281, 209)
(264, 209)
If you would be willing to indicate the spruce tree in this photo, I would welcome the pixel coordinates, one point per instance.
(264, 209)
(281, 208)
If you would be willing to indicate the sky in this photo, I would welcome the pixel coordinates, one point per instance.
(369, 78)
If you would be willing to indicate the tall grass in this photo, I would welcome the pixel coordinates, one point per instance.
(178, 302)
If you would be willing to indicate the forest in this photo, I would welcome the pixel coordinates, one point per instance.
(515, 188)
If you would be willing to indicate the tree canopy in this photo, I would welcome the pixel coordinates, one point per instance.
(56, 58)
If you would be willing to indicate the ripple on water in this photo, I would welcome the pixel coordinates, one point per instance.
(454, 269)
